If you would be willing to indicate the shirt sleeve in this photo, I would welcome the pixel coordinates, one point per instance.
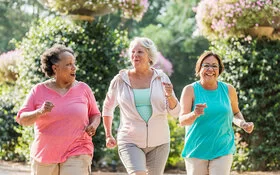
(110, 101)
(28, 104)
(92, 104)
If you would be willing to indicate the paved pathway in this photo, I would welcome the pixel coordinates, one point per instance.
(8, 168)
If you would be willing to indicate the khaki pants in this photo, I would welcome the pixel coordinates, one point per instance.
(218, 166)
(74, 165)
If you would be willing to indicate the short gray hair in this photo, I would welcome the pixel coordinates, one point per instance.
(149, 45)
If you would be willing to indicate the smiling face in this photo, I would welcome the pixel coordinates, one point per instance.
(139, 57)
(209, 69)
(65, 68)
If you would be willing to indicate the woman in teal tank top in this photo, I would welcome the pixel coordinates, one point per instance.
(208, 109)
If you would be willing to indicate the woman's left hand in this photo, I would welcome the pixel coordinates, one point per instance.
(168, 88)
(91, 130)
(247, 126)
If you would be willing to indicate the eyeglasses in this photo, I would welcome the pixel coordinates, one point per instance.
(208, 66)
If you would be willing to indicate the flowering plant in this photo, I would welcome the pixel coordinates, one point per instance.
(130, 8)
(8, 62)
(226, 18)
(164, 64)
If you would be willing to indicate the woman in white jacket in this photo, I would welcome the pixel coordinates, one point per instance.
(145, 97)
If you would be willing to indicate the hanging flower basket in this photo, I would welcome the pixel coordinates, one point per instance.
(130, 8)
(234, 18)
(261, 31)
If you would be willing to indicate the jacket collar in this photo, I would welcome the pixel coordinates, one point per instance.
(124, 75)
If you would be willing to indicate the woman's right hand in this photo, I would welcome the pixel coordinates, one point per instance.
(199, 109)
(111, 142)
(46, 107)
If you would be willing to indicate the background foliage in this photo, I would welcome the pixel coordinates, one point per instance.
(253, 68)
(15, 20)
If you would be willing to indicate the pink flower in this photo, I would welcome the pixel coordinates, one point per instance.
(164, 64)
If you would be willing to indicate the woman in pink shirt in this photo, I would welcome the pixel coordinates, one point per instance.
(65, 117)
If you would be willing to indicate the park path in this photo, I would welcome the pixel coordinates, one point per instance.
(8, 168)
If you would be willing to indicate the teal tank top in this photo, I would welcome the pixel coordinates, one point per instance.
(143, 103)
(211, 135)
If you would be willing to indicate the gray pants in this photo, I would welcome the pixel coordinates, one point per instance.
(150, 159)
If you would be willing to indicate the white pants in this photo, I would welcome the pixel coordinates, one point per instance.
(218, 166)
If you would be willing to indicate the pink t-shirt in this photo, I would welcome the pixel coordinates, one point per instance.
(61, 132)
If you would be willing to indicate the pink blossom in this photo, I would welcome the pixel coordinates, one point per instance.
(164, 64)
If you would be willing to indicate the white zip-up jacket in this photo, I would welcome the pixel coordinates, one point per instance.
(132, 128)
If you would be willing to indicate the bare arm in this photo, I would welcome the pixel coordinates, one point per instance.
(29, 118)
(238, 118)
(110, 140)
(94, 122)
(172, 101)
(187, 116)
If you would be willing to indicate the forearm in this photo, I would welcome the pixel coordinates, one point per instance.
(187, 119)
(172, 102)
(238, 119)
(95, 120)
(107, 122)
(29, 118)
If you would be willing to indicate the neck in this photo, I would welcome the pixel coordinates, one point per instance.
(142, 72)
(209, 85)
(61, 85)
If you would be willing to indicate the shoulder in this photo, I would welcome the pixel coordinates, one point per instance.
(119, 78)
(231, 90)
(39, 86)
(229, 86)
(188, 89)
(83, 85)
(159, 74)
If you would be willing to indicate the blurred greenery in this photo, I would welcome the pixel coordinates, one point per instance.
(251, 66)
(16, 16)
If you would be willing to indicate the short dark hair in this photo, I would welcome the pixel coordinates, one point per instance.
(203, 56)
(51, 57)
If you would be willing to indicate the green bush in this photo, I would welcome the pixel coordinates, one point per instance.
(177, 134)
(253, 68)
(98, 48)
(8, 137)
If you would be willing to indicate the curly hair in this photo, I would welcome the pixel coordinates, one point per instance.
(149, 45)
(51, 57)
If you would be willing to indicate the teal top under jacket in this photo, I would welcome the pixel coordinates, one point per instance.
(143, 103)
(211, 135)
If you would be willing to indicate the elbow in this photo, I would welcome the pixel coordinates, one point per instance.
(184, 122)
(23, 122)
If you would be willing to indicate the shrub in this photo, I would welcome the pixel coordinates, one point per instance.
(253, 68)
(8, 137)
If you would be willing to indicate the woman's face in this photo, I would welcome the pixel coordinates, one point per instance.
(65, 68)
(139, 57)
(209, 69)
